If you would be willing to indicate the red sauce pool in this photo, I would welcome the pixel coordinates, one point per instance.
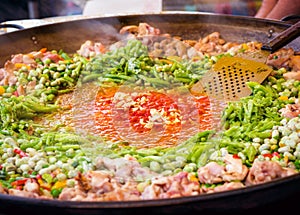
(172, 118)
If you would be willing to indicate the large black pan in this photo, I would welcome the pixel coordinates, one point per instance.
(69, 35)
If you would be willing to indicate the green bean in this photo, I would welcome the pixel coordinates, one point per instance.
(38, 145)
(152, 158)
(154, 81)
(118, 76)
(68, 79)
(183, 80)
(91, 77)
(102, 79)
(67, 147)
(39, 108)
(27, 144)
(59, 92)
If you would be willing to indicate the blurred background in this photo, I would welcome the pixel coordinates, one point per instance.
(38, 9)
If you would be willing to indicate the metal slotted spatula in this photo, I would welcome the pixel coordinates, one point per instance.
(228, 77)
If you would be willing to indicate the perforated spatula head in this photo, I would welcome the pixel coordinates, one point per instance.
(228, 77)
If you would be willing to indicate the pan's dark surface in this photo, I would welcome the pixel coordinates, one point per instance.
(70, 35)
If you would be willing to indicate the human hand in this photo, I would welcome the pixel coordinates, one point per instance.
(277, 9)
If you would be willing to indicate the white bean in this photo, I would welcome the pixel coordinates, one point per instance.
(61, 177)
(11, 142)
(263, 152)
(72, 173)
(284, 149)
(25, 167)
(264, 147)
(52, 159)
(273, 141)
(45, 171)
(256, 140)
(275, 134)
(31, 152)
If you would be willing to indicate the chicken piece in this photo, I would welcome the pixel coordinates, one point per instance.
(224, 187)
(72, 194)
(171, 187)
(211, 173)
(90, 49)
(292, 75)
(7, 74)
(32, 186)
(2, 189)
(281, 58)
(233, 169)
(99, 182)
(295, 63)
(290, 110)
(100, 186)
(211, 44)
(22, 193)
(143, 29)
(265, 171)
(127, 168)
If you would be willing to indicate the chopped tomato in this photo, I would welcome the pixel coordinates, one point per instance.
(43, 50)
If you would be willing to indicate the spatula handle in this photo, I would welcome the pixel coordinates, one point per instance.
(283, 38)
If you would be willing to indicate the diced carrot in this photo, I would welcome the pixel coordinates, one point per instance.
(43, 50)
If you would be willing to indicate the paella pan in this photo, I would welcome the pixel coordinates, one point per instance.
(65, 124)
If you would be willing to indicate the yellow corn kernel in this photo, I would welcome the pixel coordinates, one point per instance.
(20, 65)
(59, 184)
(2, 90)
(273, 147)
(192, 177)
(283, 98)
(44, 185)
(286, 159)
(245, 46)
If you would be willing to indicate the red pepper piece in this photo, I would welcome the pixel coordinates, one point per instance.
(276, 154)
(236, 156)
(20, 152)
(18, 183)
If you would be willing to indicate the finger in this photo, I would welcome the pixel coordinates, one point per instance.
(284, 8)
(266, 8)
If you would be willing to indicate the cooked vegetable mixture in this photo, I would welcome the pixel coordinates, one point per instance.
(120, 122)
